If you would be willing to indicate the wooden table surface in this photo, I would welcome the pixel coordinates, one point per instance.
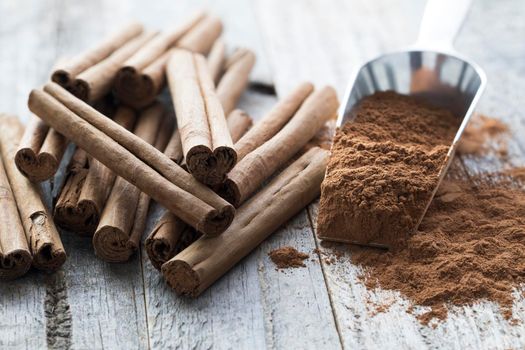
(90, 304)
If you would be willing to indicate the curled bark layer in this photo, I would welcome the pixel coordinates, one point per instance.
(40, 152)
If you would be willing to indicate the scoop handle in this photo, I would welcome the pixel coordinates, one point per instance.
(441, 22)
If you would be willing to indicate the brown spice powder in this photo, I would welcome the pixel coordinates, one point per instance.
(286, 257)
(470, 246)
(383, 169)
(479, 131)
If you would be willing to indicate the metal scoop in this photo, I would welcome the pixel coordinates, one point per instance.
(430, 68)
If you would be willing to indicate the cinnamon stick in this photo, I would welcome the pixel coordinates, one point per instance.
(206, 141)
(235, 79)
(43, 238)
(87, 187)
(174, 148)
(113, 232)
(97, 80)
(126, 155)
(171, 235)
(141, 77)
(41, 151)
(141, 215)
(249, 174)
(203, 262)
(15, 257)
(216, 60)
(239, 122)
(201, 38)
(168, 238)
(273, 121)
(68, 70)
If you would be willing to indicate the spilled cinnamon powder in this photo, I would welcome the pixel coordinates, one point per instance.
(469, 247)
(287, 257)
(484, 134)
(384, 167)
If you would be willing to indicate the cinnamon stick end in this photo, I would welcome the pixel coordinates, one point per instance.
(81, 219)
(111, 245)
(159, 251)
(210, 167)
(14, 264)
(230, 192)
(61, 77)
(49, 257)
(217, 222)
(181, 277)
(80, 88)
(36, 168)
(133, 88)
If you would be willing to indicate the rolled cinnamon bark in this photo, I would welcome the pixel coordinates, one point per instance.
(203, 262)
(141, 77)
(40, 153)
(43, 238)
(235, 79)
(174, 148)
(171, 235)
(110, 240)
(206, 141)
(239, 122)
(97, 80)
(126, 155)
(216, 60)
(168, 238)
(141, 214)
(87, 187)
(201, 38)
(68, 70)
(249, 174)
(15, 257)
(273, 121)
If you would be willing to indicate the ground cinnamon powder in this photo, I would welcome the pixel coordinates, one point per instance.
(484, 134)
(383, 169)
(286, 257)
(470, 246)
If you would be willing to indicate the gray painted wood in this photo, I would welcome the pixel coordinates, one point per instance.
(23, 302)
(351, 34)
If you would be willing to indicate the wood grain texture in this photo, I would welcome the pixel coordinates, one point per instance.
(22, 302)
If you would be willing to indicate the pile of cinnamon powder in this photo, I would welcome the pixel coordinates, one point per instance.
(469, 247)
(383, 169)
(286, 257)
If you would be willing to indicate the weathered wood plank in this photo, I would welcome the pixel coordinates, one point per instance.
(24, 302)
(352, 32)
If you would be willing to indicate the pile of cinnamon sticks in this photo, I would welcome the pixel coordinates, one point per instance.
(226, 185)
